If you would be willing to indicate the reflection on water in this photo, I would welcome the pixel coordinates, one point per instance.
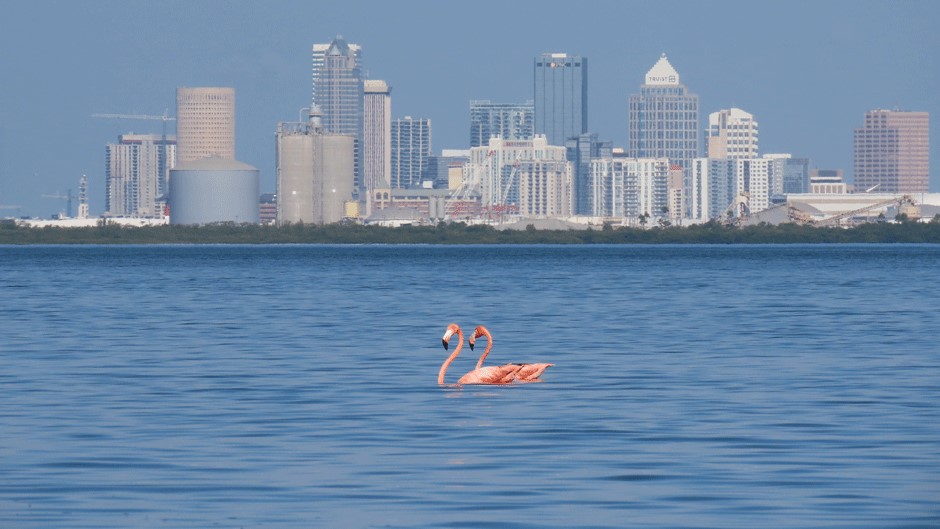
(294, 386)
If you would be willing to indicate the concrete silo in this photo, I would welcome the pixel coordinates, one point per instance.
(295, 168)
(315, 174)
(333, 176)
(214, 190)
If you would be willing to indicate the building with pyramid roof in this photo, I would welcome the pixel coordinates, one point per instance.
(664, 118)
(338, 93)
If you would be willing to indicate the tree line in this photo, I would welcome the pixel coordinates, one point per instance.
(459, 233)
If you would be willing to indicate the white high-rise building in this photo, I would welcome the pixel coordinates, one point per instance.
(717, 184)
(545, 188)
(732, 134)
(711, 188)
(410, 149)
(205, 123)
(377, 135)
(630, 188)
(136, 170)
(495, 168)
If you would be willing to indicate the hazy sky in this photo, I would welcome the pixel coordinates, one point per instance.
(807, 70)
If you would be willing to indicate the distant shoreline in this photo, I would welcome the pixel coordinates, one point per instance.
(459, 233)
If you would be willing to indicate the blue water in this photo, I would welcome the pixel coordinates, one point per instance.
(295, 387)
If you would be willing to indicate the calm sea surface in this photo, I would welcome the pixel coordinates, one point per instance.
(295, 387)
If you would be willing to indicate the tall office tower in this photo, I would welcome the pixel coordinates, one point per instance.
(892, 152)
(136, 170)
(581, 150)
(663, 118)
(377, 135)
(732, 134)
(338, 92)
(314, 173)
(205, 123)
(561, 96)
(510, 121)
(630, 188)
(411, 147)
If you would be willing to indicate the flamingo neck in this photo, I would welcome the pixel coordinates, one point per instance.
(440, 375)
(489, 345)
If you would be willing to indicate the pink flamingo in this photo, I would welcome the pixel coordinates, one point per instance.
(524, 373)
(486, 375)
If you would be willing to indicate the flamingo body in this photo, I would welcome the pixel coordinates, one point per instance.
(504, 374)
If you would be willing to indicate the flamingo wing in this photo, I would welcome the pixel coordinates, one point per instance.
(530, 372)
(491, 375)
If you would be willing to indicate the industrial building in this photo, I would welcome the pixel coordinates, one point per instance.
(213, 190)
(314, 173)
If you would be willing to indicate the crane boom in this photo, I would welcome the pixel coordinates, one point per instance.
(164, 117)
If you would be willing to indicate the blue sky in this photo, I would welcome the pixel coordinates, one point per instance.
(807, 70)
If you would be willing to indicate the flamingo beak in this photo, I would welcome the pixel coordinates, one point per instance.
(445, 344)
(471, 345)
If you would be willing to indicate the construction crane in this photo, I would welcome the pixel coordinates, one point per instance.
(456, 203)
(68, 197)
(164, 118)
(502, 205)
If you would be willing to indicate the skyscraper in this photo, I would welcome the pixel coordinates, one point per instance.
(561, 96)
(136, 170)
(510, 121)
(892, 152)
(377, 135)
(732, 134)
(205, 123)
(411, 147)
(664, 121)
(581, 150)
(338, 93)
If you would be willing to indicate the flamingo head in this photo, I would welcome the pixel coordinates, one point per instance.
(452, 329)
(477, 333)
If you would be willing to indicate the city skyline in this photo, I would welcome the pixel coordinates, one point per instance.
(845, 60)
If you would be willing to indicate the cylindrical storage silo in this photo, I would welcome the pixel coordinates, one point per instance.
(333, 176)
(295, 178)
(214, 190)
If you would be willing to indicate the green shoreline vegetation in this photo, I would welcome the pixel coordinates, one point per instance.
(459, 233)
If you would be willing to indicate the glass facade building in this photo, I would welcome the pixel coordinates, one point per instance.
(338, 93)
(561, 96)
(664, 118)
(580, 151)
(510, 121)
(411, 147)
